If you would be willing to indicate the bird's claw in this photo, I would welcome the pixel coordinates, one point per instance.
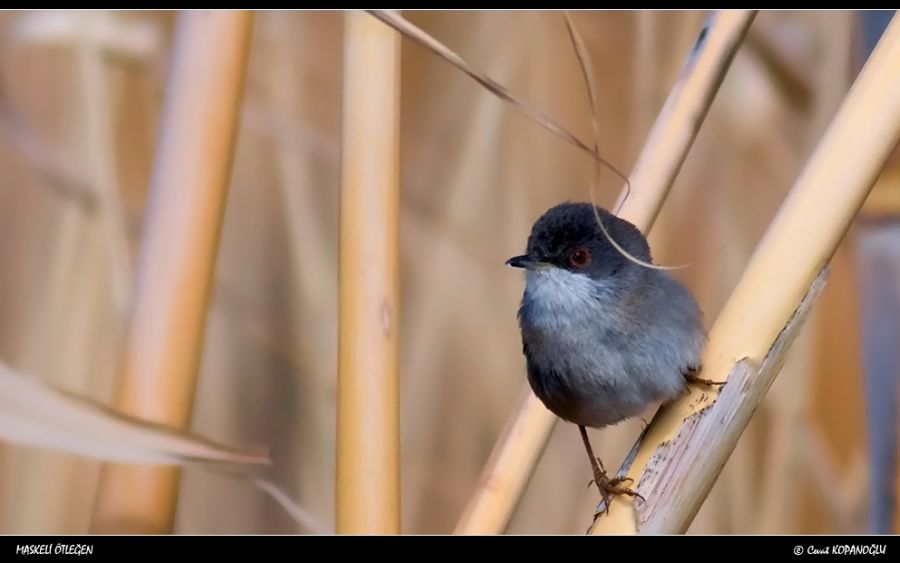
(691, 377)
(610, 488)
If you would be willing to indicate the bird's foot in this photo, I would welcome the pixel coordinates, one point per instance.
(611, 488)
(691, 377)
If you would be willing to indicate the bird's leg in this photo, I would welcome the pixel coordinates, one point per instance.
(608, 487)
(691, 376)
(596, 464)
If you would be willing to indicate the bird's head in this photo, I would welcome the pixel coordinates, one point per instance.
(568, 238)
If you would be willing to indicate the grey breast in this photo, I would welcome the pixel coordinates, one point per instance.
(594, 356)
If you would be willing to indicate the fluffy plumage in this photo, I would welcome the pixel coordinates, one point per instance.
(603, 337)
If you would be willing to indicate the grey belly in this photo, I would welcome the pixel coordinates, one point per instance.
(612, 384)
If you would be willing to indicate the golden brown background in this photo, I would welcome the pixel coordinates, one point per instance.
(475, 174)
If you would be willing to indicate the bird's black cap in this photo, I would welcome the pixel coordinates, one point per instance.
(568, 236)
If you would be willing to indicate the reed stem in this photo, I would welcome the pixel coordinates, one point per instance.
(184, 216)
(368, 425)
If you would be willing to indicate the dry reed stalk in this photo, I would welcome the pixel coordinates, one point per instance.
(788, 70)
(645, 86)
(832, 77)
(188, 189)
(458, 180)
(98, 109)
(73, 313)
(312, 335)
(36, 414)
(685, 109)
(129, 42)
(430, 317)
(525, 437)
(68, 316)
(398, 22)
(690, 439)
(125, 40)
(781, 506)
(368, 431)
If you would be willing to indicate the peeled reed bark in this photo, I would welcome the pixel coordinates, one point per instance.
(689, 440)
(518, 450)
(368, 432)
(184, 215)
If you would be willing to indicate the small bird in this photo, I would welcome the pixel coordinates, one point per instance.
(603, 336)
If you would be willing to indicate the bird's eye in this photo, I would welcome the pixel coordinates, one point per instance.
(580, 257)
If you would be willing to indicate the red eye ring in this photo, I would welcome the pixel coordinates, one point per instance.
(580, 257)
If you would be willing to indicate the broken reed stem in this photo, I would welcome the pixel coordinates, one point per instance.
(183, 219)
(689, 441)
(368, 426)
(525, 437)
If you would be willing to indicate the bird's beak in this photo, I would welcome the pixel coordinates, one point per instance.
(522, 262)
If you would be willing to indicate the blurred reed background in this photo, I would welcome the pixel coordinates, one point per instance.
(80, 109)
